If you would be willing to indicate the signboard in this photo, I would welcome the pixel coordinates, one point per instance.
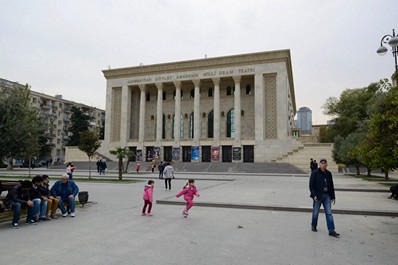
(215, 153)
(195, 153)
(176, 154)
(236, 153)
(156, 151)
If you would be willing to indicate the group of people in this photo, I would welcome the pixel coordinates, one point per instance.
(313, 165)
(101, 166)
(41, 201)
(189, 191)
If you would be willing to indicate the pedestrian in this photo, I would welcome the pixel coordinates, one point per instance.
(148, 197)
(189, 191)
(102, 167)
(161, 169)
(322, 192)
(168, 174)
(69, 170)
(153, 164)
(137, 168)
(311, 165)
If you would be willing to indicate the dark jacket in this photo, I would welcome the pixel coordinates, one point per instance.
(317, 184)
(16, 194)
(35, 193)
(45, 191)
(64, 190)
(161, 167)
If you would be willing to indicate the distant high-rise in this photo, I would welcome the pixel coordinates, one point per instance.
(304, 120)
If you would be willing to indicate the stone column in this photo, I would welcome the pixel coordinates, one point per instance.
(109, 109)
(159, 115)
(125, 116)
(196, 114)
(237, 112)
(216, 111)
(141, 132)
(259, 108)
(177, 114)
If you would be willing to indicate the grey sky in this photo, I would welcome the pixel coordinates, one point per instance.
(60, 47)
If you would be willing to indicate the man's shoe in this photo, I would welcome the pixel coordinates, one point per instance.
(334, 234)
(15, 225)
(313, 228)
(65, 214)
(72, 214)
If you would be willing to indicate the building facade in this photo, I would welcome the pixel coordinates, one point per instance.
(56, 113)
(237, 108)
(304, 120)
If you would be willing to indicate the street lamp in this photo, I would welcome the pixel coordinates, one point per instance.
(392, 40)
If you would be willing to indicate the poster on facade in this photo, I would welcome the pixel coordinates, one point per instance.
(156, 151)
(236, 153)
(139, 155)
(176, 154)
(215, 153)
(195, 153)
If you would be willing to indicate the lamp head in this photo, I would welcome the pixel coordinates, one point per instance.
(393, 42)
(381, 50)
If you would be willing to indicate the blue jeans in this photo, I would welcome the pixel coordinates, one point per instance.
(16, 207)
(36, 207)
(70, 201)
(40, 207)
(327, 206)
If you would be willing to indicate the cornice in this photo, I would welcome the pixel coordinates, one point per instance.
(191, 65)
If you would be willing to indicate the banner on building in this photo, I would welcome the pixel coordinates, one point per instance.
(176, 154)
(215, 153)
(195, 153)
(236, 153)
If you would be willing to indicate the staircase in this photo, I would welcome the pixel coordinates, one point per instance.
(301, 156)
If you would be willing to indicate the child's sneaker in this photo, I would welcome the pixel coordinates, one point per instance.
(149, 214)
(143, 214)
(184, 213)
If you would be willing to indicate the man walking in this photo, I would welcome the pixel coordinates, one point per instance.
(322, 192)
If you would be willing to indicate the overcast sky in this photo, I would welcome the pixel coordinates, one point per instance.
(60, 47)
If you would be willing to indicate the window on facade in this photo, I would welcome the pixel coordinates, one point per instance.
(229, 91)
(164, 95)
(164, 127)
(148, 97)
(192, 95)
(231, 124)
(60, 105)
(191, 124)
(248, 90)
(34, 100)
(210, 92)
(210, 125)
(59, 122)
(58, 152)
(58, 141)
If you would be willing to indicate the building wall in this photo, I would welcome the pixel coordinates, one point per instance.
(266, 115)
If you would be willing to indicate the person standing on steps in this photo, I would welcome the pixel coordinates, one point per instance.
(322, 192)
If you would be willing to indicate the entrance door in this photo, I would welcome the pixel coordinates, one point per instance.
(168, 153)
(186, 154)
(206, 153)
(248, 153)
(227, 153)
(134, 150)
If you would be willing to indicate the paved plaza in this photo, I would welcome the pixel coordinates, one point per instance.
(111, 230)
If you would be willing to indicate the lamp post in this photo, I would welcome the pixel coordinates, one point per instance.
(392, 40)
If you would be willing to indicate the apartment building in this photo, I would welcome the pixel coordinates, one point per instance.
(56, 112)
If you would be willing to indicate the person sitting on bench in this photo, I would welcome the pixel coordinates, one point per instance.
(65, 190)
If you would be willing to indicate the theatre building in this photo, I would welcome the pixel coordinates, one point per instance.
(236, 108)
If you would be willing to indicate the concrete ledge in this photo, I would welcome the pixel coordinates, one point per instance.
(281, 208)
(364, 190)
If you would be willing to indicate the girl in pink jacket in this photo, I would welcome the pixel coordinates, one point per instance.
(148, 197)
(189, 192)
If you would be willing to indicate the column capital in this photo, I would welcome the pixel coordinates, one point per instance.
(237, 79)
(142, 87)
(159, 86)
(177, 84)
(196, 82)
(216, 81)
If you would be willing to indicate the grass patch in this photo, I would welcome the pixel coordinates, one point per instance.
(379, 179)
(101, 180)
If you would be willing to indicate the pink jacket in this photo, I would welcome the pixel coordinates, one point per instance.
(188, 192)
(148, 193)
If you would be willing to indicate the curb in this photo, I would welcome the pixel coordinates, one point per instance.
(281, 208)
